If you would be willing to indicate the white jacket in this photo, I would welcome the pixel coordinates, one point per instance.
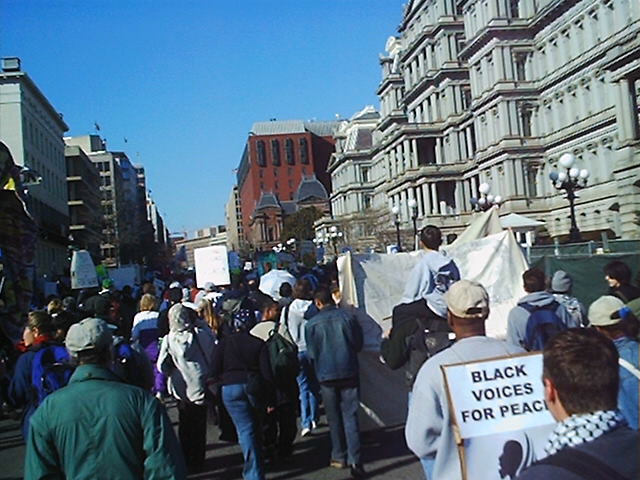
(186, 357)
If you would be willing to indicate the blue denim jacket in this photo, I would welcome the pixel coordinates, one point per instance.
(334, 338)
(628, 393)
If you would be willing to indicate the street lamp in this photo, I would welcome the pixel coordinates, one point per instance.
(396, 220)
(413, 205)
(570, 179)
(486, 200)
(334, 234)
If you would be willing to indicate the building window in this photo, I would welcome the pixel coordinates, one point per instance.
(262, 157)
(366, 200)
(288, 148)
(466, 98)
(277, 186)
(304, 151)
(261, 173)
(275, 153)
(290, 182)
(514, 8)
(262, 186)
(520, 60)
(365, 174)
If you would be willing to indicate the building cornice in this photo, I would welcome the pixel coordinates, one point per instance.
(22, 77)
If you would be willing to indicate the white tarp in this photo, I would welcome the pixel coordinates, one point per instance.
(83, 271)
(375, 282)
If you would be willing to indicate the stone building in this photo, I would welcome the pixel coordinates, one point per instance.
(204, 237)
(477, 91)
(32, 130)
(352, 187)
(233, 221)
(127, 226)
(85, 209)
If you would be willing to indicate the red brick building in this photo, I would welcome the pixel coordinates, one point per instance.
(278, 156)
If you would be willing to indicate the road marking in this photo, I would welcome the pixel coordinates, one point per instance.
(372, 415)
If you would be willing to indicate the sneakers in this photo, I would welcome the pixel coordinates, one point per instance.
(338, 464)
(314, 425)
(357, 471)
(305, 431)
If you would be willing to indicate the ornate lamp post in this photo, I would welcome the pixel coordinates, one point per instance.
(413, 205)
(334, 234)
(486, 200)
(396, 220)
(570, 179)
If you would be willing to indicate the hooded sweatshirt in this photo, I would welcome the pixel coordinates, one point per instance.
(518, 316)
(430, 279)
(296, 322)
(186, 355)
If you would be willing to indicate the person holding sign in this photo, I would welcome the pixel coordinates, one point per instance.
(428, 430)
(591, 440)
(616, 321)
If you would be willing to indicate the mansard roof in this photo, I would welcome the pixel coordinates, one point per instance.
(267, 200)
(310, 188)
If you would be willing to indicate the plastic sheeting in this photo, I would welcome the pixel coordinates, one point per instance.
(374, 283)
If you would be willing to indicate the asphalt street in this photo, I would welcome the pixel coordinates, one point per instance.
(385, 454)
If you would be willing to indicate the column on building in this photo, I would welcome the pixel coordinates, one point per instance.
(519, 176)
(414, 152)
(420, 201)
(458, 195)
(434, 198)
(626, 110)
(439, 153)
(466, 192)
(426, 198)
(404, 207)
(406, 151)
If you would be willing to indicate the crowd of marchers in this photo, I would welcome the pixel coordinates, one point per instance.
(590, 365)
(95, 375)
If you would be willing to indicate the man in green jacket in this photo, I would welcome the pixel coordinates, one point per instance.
(98, 427)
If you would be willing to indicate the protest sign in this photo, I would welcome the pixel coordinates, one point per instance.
(212, 265)
(83, 271)
(499, 414)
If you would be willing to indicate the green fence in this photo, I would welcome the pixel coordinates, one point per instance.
(585, 263)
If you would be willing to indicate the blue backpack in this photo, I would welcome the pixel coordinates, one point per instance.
(543, 323)
(50, 371)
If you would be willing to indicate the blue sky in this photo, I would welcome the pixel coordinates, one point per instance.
(183, 81)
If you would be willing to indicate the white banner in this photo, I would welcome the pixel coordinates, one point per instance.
(83, 271)
(212, 265)
(499, 395)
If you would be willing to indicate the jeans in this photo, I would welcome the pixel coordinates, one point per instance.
(309, 391)
(246, 418)
(341, 407)
(426, 462)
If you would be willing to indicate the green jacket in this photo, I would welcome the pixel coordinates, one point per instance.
(99, 428)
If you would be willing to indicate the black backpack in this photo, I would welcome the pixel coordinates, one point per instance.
(430, 337)
(283, 356)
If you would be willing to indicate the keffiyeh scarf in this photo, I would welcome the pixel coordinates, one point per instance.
(582, 428)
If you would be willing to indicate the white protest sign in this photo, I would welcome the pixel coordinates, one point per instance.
(83, 271)
(497, 395)
(212, 265)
